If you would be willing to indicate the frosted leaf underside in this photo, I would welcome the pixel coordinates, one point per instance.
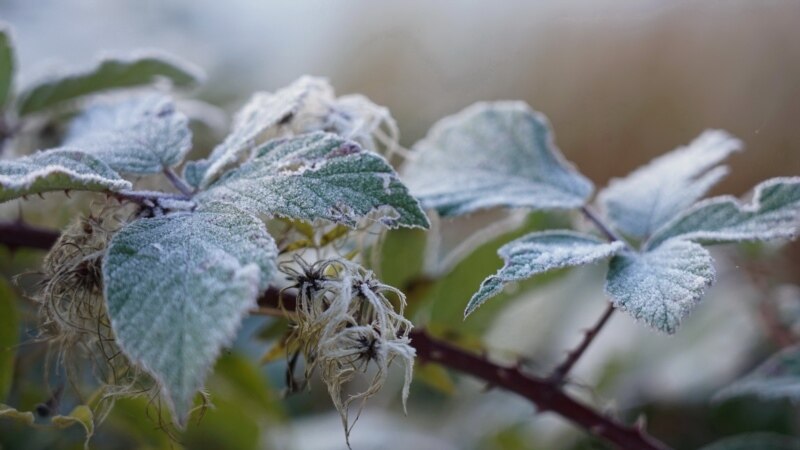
(652, 195)
(139, 134)
(177, 288)
(260, 119)
(7, 66)
(56, 170)
(540, 252)
(113, 72)
(773, 213)
(777, 377)
(662, 286)
(493, 154)
(319, 176)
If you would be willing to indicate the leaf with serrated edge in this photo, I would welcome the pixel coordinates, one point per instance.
(541, 252)
(110, 72)
(81, 415)
(662, 286)
(777, 377)
(319, 176)
(57, 170)
(774, 213)
(490, 155)
(652, 195)
(177, 288)
(260, 119)
(137, 134)
(7, 65)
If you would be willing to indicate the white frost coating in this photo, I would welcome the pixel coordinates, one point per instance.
(137, 134)
(652, 195)
(110, 71)
(774, 213)
(177, 288)
(541, 252)
(490, 155)
(777, 377)
(318, 176)
(57, 170)
(662, 286)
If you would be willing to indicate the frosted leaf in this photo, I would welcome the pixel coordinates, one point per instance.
(777, 377)
(773, 213)
(318, 176)
(139, 134)
(652, 195)
(112, 72)
(493, 154)
(662, 286)
(56, 170)
(263, 117)
(7, 65)
(177, 288)
(540, 252)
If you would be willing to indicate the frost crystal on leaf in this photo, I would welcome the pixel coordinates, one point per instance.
(493, 154)
(662, 286)
(774, 213)
(112, 72)
(652, 195)
(139, 134)
(177, 288)
(56, 170)
(777, 377)
(318, 176)
(540, 252)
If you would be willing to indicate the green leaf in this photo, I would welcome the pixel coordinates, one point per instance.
(113, 72)
(177, 288)
(56, 170)
(140, 134)
(319, 176)
(541, 252)
(774, 213)
(7, 412)
(652, 195)
(262, 118)
(777, 377)
(80, 415)
(9, 337)
(7, 65)
(755, 441)
(662, 286)
(490, 155)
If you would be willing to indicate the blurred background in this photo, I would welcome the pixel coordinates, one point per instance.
(621, 81)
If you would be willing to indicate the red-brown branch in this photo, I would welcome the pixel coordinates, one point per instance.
(20, 235)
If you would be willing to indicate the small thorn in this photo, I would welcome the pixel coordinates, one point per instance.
(66, 192)
(40, 195)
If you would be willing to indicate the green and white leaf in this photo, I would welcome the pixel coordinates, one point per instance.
(80, 415)
(111, 72)
(7, 412)
(774, 213)
(654, 194)
(662, 286)
(541, 252)
(177, 288)
(319, 176)
(57, 170)
(265, 116)
(7, 65)
(139, 134)
(777, 377)
(490, 155)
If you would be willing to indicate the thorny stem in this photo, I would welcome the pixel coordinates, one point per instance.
(560, 373)
(146, 198)
(178, 182)
(544, 393)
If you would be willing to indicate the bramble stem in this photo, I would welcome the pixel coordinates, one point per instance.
(560, 373)
(19, 234)
(601, 225)
(178, 182)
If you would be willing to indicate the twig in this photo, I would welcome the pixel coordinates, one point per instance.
(560, 373)
(147, 198)
(18, 235)
(178, 182)
(601, 225)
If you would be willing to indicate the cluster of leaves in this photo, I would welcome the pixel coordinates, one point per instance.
(502, 155)
(184, 268)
